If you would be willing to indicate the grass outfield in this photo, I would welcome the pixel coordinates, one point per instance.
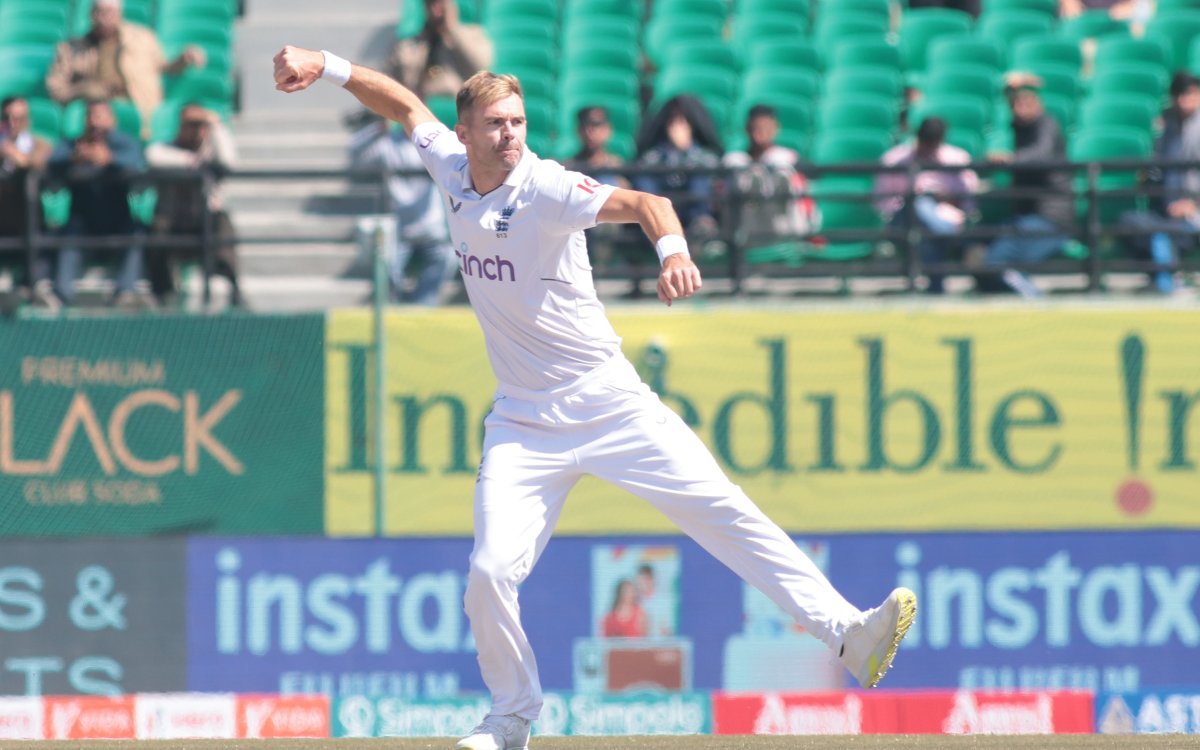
(859, 742)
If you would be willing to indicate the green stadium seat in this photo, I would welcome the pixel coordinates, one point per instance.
(1176, 30)
(962, 114)
(954, 51)
(1061, 108)
(865, 51)
(796, 53)
(878, 11)
(844, 205)
(867, 79)
(609, 31)
(670, 10)
(206, 87)
(535, 83)
(856, 111)
(1114, 49)
(541, 117)
(600, 54)
(1058, 80)
(1006, 29)
(761, 7)
(46, 118)
(700, 53)
(795, 83)
(1109, 143)
(1092, 24)
(517, 31)
(749, 31)
(525, 56)
(1130, 78)
(1045, 7)
(842, 30)
(849, 146)
(600, 81)
(444, 108)
(1121, 110)
(920, 26)
(973, 81)
(1031, 51)
(23, 69)
(214, 37)
(581, 10)
(33, 30)
(660, 35)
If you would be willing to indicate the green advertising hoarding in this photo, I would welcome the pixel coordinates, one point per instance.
(153, 425)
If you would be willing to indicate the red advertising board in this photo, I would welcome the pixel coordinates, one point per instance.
(274, 716)
(90, 718)
(883, 712)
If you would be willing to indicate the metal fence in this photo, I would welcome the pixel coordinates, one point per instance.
(1100, 245)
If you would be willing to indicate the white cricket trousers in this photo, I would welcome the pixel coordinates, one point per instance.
(609, 424)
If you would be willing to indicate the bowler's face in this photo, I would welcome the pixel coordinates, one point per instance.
(495, 134)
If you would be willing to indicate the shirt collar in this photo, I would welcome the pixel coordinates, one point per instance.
(515, 178)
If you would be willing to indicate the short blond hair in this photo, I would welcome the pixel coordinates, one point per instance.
(485, 88)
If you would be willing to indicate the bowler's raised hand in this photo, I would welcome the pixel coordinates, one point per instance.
(297, 68)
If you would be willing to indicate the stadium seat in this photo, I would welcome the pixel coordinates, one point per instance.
(920, 26)
(844, 206)
(46, 118)
(840, 31)
(1130, 78)
(1109, 143)
(23, 69)
(33, 30)
(601, 54)
(962, 114)
(1006, 29)
(877, 11)
(670, 10)
(1121, 110)
(1092, 24)
(1176, 30)
(887, 82)
(1168, 6)
(586, 10)
(1120, 49)
(542, 123)
(525, 56)
(660, 35)
(207, 87)
(850, 146)
(522, 32)
(541, 11)
(953, 51)
(444, 108)
(1045, 7)
(600, 81)
(1061, 108)
(608, 31)
(971, 81)
(761, 7)
(865, 51)
(748, 31)
(795, 83)
(794, 53)
(711, 54)
(1038, 50)
(856, 111)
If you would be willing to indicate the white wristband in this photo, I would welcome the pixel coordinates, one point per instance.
(668, 245)
(337, 69)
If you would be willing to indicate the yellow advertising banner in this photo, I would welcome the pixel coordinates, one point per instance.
(831, 420)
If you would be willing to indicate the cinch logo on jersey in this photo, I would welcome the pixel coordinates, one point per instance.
(492, 269)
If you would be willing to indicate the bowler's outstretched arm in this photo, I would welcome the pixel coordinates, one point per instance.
(297, 68)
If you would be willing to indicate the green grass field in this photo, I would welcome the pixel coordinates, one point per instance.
(858, 742)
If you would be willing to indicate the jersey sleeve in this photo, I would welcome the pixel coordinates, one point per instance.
(440, 150)
(576, 199)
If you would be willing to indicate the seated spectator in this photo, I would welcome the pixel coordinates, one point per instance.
(605, 241)
(97, 168)
(593, 157)
(422, 233)
(116, 59)
(21, 152)
(682, 135)
(942, 199)
(443, 54)
(1173, 221)
(1042, 220)
(202, 142)
(773, 194)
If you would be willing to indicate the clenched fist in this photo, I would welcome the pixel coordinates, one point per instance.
(297, 68)
(679, 278)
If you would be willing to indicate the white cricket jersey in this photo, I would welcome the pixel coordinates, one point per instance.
(523, 259)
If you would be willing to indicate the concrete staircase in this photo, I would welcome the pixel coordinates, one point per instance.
(298, 249)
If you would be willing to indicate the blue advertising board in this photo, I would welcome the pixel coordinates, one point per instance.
(1112, 611)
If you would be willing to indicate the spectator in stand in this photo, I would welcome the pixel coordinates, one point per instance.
(422, 233)
(98, 168)
(682, 135)
(593, 157)
(443, 54)
(942, 199)
(21, 152)
(116, 59)
(1042, 219)
(968, 6)
(773, 194)
(201, 143)
(605, 241)
(1122, 10)
(1173, 221)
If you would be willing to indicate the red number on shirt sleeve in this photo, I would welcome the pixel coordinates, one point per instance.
(588, 185)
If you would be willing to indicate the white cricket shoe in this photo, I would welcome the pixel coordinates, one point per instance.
(495, 732)
(869, 645)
